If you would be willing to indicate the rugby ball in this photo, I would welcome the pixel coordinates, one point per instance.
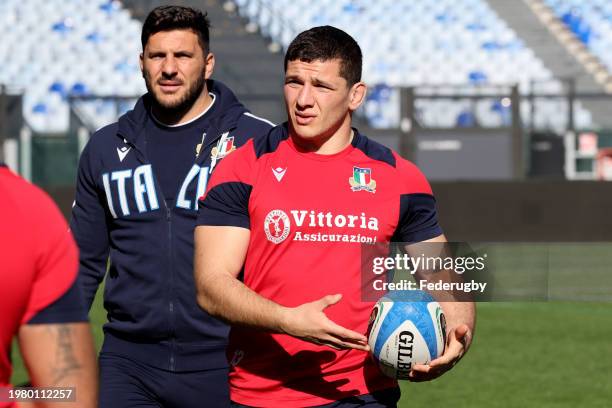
(406, 328)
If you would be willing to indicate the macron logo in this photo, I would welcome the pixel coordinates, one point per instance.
(279, 173)
(122, 152)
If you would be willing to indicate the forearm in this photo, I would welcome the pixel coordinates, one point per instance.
(220, 253)
(61, 355)
(228, 299)
(458, 313)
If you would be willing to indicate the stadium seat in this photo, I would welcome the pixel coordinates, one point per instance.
(590, 21)
(52, 48)
(436, 42)
(48, 46)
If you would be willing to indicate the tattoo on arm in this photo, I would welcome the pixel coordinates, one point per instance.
(66, 362)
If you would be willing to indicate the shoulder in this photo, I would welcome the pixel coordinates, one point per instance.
(374, 150)
(252, 125)
(30, 201)
(235, 164)
(241, 163)
(412, 178)
(255, 120)
(408, 175)
(106, 132)
(20, 188)
(269, 142)
(102, 137)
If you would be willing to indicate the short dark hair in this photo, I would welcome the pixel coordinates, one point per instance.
(166, 18)
(325, 43)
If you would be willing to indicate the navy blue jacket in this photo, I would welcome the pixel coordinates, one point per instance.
(120, 212)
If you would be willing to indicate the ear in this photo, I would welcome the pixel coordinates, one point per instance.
(141, 61)
(357, 95)
(210, 65)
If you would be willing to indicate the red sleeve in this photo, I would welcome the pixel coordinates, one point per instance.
(56, 258)
(226, 201)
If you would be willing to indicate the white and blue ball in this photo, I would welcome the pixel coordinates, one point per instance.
(406, 328)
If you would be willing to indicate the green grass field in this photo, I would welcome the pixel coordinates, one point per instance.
(523, 355)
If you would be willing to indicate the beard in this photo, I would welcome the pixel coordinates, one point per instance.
(184, 102)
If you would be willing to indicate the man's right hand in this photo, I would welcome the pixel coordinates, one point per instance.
(308, 322)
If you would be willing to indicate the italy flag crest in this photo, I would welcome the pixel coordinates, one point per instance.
(362, 180)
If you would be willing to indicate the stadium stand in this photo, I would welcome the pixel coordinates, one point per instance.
(58, 50)
(425, 42)
(560, 52)
(80, 48)
(53, 49)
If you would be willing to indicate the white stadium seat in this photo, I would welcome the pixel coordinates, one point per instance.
(46, 41)
(436, 42)
(405, 43)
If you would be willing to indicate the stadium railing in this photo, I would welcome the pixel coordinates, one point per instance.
(491, 132)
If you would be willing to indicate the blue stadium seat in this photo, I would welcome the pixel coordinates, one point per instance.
(590, 21)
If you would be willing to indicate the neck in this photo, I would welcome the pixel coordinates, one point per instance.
(178, 117)
(329, 143)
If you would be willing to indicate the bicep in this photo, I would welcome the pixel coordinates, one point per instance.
(433, 251)
(220, 250)
(435, 246)
(439, 238)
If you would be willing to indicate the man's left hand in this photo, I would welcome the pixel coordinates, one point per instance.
(457, 343)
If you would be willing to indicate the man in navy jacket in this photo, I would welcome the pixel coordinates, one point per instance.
(138, 186)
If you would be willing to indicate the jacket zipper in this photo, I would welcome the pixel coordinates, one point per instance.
(199, 159)
(171, 318)
(171, 297)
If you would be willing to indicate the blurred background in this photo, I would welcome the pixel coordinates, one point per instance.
(506, 105)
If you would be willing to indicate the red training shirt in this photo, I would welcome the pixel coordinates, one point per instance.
(38, 255)
(309, 215)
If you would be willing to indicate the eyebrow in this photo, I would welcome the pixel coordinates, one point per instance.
(315, 81)
(164, 52)
(292, 78)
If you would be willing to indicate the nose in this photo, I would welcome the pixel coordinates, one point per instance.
(169, 67)
(305, 98)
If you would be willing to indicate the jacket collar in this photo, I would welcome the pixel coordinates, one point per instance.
(132, 125)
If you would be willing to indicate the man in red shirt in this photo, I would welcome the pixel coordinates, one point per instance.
(39, 300)
(278, 246)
